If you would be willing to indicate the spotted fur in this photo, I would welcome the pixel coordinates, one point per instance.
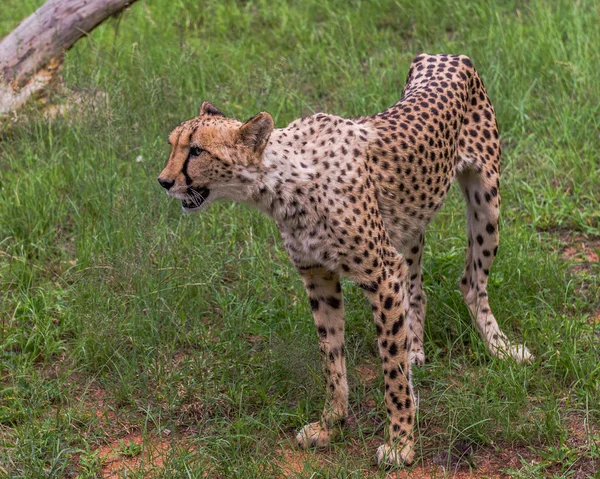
(352, 197)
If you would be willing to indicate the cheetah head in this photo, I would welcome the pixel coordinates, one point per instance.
(214, 157)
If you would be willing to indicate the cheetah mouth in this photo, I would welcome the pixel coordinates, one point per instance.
(196, 197)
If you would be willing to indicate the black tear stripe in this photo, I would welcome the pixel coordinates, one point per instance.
(188, 180)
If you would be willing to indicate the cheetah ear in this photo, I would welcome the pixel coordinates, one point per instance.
(256, 131)
(208, 109)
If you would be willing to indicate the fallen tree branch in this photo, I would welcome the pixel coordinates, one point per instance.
(32, 54)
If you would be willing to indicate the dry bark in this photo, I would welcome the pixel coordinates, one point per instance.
(31, 55)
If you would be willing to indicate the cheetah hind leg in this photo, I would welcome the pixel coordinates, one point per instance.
(483, 202)
(417, 299)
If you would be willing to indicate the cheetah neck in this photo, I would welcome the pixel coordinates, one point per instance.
(278, 185)
(311, 158)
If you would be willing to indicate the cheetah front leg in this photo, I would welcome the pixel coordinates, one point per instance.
(387, 292)
(325, 293)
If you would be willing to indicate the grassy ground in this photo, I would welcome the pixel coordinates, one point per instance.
(139, 342)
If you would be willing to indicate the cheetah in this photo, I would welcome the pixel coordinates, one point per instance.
(352, 198)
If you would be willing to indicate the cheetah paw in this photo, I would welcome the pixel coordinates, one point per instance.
(313, 435)
(521, 354)
(417, 356)
(389, 456)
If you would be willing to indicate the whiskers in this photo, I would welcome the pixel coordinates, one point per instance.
(197, 197)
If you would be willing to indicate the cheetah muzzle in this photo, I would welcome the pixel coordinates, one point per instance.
(352, 197)
(196, 198)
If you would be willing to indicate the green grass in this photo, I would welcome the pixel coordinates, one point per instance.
(119, 315)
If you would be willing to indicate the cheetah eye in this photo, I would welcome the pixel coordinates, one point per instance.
(196, 151)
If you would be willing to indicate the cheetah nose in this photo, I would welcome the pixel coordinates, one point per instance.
(166, 184)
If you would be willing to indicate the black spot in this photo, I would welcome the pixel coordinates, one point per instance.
(370, 287)
(393, 349)
(333, 302)
(480, 239)
(490, 228)
(314, 304)
(397, 325)
(389, 301)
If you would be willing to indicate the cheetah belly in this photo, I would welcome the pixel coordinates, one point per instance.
(400, 224)
(310, 246)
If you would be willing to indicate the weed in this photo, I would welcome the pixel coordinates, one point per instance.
(129, 448)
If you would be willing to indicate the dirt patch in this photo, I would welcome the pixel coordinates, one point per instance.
(595, 318)
(126, 450)
(294, 462)
(98, 403)
(367, 372)
(580, 429)
(488, 463)
(583, 255)
(581, 250)
(433, 472)
(581, 445)
(133, 453)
